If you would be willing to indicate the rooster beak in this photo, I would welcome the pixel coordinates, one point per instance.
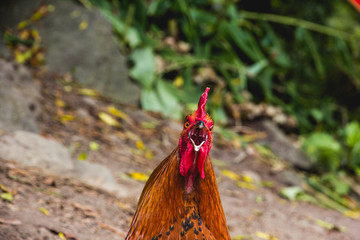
(200, 124)
(198, 135)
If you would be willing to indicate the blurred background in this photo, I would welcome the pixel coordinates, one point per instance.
(284, 79)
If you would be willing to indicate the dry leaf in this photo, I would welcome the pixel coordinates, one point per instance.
(66, 118)
(352, 214)
(93, 146)
(116, 112)
(60, 103)
(67, 88)
(23, 24)
(329, 226)
(140, 145)
(5, 189)
(83, 25)
(45, 211)
(139, 176)
(109, 120)
(230, 174)
(88, 92)
(22, 57)
(246, 185)
(241, 237)
(265, 236)
(82, 156)
(61, 236)
(7, 196)
(178, 81)
(247, 178)
(149, 155)
(75, 14)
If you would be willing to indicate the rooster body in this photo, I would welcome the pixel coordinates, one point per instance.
(181, 199)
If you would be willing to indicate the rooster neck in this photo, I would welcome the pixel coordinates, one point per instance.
(191, 175)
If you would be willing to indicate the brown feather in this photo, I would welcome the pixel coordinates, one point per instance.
(166, 211)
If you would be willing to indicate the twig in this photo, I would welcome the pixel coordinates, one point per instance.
(111, 228)
(10, 222)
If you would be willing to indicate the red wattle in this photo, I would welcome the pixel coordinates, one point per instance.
(187, 159)
(201, 160)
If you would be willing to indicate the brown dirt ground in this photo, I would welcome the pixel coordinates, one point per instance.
(83, 212)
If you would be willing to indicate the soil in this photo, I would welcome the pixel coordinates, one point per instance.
(47, 206)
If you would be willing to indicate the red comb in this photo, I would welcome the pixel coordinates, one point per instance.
(356, 4)
(200, 112)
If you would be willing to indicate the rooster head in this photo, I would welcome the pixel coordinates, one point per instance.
(196, 137)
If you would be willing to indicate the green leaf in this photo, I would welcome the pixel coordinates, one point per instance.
(355, 155)
(265, 80)
(130, 34)
(169, 102)
(304, 35)
(132, 37)
(317, 114)
(143, 70)
(253, 70)
(158, 7)
(291, 193)
(162, 99)
(242, 39)
(324, 150)
(357, 171)
(352, 131)
(218, 114)
(150, 101)
(332, 181)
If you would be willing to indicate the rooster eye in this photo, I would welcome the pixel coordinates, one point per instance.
(211, 129)
(186, 124)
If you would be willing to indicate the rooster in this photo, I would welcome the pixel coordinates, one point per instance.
(181, 199)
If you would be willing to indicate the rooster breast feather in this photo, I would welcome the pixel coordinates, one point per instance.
(166, 211)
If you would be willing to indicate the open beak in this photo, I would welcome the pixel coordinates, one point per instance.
(198, 135)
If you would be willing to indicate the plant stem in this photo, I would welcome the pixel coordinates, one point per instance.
(298, 23)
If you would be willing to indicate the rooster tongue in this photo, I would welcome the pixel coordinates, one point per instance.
(198, 137)
(197, 147)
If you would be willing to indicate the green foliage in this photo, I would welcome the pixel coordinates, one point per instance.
(324, 150)
(352, 135)
(303, 57)
(332, 181)
(330, 154)
(143, 70)
(248, 51)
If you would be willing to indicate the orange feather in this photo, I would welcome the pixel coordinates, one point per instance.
(181, 199)
(167, 211)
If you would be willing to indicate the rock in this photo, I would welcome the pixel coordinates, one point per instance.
(4, 50)
(99, 176)
(19, 95)
(31, 149)
(290, 177)
(90, 53)
(283, 148)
